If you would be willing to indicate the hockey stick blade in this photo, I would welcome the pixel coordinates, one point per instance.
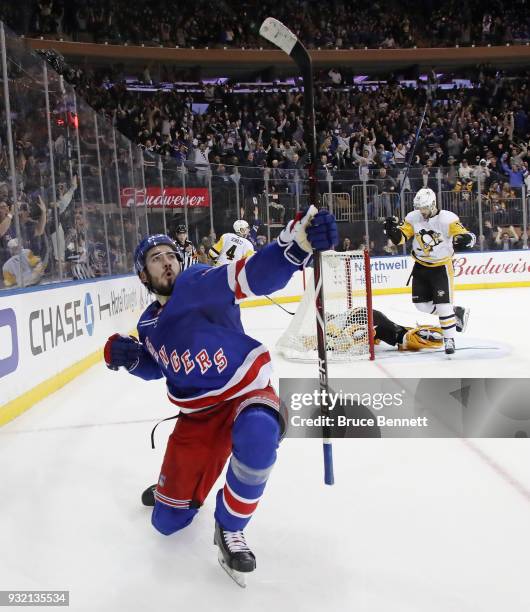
(278, 34)
(280, 306)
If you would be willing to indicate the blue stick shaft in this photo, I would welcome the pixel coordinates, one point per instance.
(329, 478)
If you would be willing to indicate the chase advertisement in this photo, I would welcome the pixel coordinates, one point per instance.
(44, 331)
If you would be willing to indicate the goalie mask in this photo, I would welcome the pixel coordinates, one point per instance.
(425, 202)
(241, 228)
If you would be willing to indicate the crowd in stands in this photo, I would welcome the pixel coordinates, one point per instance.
(49, 233)
(57, 241)
(479, 136)
(337, 24)
(473, 147)
(357, 127)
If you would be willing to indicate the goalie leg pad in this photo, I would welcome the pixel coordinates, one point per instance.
(423, 337)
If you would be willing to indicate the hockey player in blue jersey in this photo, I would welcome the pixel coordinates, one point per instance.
(217, 375)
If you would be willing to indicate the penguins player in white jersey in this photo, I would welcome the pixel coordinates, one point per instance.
(435, 236)
(232, 247)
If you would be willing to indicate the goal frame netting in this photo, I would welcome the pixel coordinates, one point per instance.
(347, 287)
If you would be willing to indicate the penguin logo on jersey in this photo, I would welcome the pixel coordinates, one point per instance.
(428, 239)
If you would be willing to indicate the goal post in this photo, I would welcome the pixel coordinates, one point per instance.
(369, 307)
(349, 320)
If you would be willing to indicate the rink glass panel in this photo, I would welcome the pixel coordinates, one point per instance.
(31, 183)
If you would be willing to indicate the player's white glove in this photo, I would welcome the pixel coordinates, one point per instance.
(312, 230)
(293, 237)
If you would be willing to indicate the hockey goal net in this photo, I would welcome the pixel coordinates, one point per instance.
(348, 307)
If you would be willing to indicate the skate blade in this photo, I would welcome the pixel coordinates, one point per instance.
(466, 320)
(238, 577)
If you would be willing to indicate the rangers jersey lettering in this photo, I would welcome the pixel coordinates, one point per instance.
(196, 340)
(230, 247)
(432, 238)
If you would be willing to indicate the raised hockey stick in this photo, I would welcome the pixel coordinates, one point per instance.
(411, 157)
(279, 35)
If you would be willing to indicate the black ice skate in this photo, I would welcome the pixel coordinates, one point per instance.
(449, 346)
(234, 555)
(148, 496)
(462, 317)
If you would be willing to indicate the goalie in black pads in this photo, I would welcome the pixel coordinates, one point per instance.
(344, 330)
(436, 234)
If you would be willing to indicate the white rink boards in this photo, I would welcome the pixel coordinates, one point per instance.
(411, 525)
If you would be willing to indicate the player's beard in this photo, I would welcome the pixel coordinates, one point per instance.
(161, 287)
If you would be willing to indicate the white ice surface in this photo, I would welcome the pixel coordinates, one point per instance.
(411, 525)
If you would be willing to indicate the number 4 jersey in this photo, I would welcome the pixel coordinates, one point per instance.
(433, 238)
(230, 247)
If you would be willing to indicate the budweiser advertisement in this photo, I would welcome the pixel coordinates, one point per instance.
(502, 266)
(171, 197)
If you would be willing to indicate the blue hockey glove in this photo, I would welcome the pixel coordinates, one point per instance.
(322, 232)
(311, 229)
(121, 351)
